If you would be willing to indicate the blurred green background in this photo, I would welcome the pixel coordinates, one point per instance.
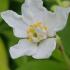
(7, 39)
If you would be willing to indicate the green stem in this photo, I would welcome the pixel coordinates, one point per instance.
(66, 58)
(61, 49)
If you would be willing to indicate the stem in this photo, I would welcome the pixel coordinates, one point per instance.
(61, 49)
(66, 58)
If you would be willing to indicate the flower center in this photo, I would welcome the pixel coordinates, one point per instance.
(37, 32)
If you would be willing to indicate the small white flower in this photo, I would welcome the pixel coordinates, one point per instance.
(37, 27)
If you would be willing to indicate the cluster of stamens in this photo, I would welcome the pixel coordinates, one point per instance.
(37, 32)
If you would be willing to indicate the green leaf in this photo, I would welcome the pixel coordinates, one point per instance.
(3, 57)
(4, 4)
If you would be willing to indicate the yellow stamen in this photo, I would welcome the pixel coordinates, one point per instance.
(33, 34)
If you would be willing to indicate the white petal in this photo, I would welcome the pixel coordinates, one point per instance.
(21, 33)
(62, 15)
(16, 21)
(45, 49)
(34, 2)
(24, 47)
(57, 21)
(51, 33)
(34, 11)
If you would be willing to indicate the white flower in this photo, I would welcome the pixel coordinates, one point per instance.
(37, 29)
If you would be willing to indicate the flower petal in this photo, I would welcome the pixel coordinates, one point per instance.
(62, 15)
(57, 21)
(16, 21)
(34, 11)
(23, 48)
(45, 49)
(51, 33)
(21, 33)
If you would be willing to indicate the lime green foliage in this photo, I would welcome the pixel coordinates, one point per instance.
(4, 5)
(65, 4)
(3, 57)
(56, 61)
(53, 7)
